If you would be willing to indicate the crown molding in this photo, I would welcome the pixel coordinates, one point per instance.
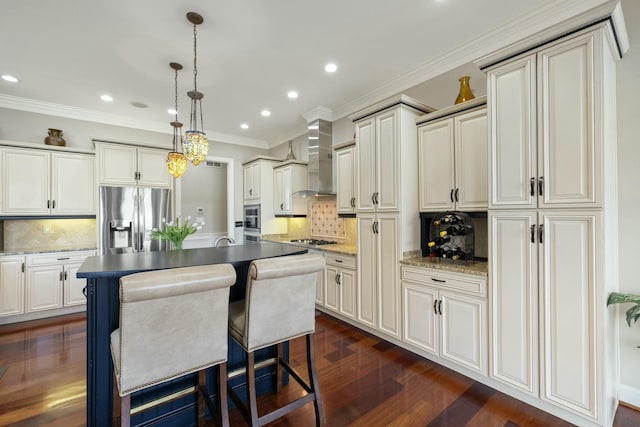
(319, 112)
(547, 16)
(59, 110)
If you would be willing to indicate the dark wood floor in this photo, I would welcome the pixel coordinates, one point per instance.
(364, 382)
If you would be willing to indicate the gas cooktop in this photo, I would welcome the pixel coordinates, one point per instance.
(314, 242)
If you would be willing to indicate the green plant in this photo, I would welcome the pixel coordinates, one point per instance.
(176, 232)
(633, 313)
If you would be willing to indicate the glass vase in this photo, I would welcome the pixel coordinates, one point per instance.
(465, 93)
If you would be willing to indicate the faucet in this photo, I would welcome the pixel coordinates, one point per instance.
(228, 239)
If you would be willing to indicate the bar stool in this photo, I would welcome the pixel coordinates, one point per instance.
(279, 306)
(172, 323)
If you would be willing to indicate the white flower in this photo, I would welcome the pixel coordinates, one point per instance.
(170, 223)
(164, 220)
(199, 227)
(189, 218)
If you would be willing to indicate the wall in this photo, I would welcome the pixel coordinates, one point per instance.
(49, 233)
(206, 187)
(628, 100)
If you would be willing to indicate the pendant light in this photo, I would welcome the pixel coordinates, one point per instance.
(176, 161)
(195, 144)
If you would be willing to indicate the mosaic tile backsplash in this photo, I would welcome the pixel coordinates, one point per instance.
(63, 233)
(325, 221)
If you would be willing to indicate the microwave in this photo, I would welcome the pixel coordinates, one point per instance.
(252, 218)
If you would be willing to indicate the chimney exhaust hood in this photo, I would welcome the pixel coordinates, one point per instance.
(320, 167)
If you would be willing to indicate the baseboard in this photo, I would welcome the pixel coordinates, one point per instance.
(630, 396)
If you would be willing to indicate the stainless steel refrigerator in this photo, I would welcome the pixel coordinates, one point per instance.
(127, 216)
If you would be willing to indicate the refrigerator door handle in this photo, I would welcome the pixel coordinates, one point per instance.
(141, 220)
(136, 221)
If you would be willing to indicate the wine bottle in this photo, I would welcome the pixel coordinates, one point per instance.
(447, 254)
(438, 241)
(452, 219)
(436, 222)
(458, 253)
(436, 252)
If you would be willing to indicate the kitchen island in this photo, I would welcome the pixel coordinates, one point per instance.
(103, 306)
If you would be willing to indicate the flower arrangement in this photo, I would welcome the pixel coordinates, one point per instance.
(176, 232)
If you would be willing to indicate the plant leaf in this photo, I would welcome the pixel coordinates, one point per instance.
(618, 298)
(633, 314)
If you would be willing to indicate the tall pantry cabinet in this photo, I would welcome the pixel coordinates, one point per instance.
(553, 225)
(386, 206)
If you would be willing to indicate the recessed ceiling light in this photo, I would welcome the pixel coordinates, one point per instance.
(138, 104)
(244, 126)
(330, 67)
(172, 111)
(292, 94)
(106, 98)
(10, 79)
(265, 113)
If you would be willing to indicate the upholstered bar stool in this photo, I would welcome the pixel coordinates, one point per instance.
(279, 305)
(172, 323)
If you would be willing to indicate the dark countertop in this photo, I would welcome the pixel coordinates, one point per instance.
(119, 265)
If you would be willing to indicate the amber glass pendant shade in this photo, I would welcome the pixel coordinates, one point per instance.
(465, 90)
(176, 163)
(195, 146)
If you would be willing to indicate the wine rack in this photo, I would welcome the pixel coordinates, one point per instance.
(450, 236)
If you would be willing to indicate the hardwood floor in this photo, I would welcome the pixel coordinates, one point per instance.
(364, 382)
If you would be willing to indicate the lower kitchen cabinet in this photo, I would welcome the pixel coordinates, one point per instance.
(340, 284)
(11, 285)
(51, 280)
(445, 314)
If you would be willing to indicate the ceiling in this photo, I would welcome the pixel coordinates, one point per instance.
(67, 53)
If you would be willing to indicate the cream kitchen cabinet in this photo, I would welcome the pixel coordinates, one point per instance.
(346, 178)
(12, 285)
(252, 178)
(289, 177)
(453, 161)
(445, 314)
(41, 182)
(378, 280)
(51, 280)
(340, 284)
(386, 155)
(551, 256)
(547, 125)
(128, 165)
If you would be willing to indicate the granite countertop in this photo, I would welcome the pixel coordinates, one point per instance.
(476, 268)
(42, 250)
(339, 248)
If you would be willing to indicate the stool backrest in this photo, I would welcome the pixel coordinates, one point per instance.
(280, 299)
(172, 322)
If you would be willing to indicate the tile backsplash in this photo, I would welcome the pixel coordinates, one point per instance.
(325, 222)
(63, 233)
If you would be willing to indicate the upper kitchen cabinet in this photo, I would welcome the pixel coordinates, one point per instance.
(386, 155)
(452, 153)
(288, 178)
(128, 165)
(346, 177)
(39, 182)
(252, 179)
(548, 125)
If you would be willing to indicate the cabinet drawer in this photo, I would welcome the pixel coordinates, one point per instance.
(58, 258)
(446, 280)
(344, 261)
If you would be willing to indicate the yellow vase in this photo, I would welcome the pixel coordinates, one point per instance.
(465, 90)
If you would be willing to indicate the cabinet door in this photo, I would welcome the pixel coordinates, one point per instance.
(387, 162)
(436, 166)
(73, 287)
(513, 245)
(367, 260)
(152, 168)
(278, 191)
(44, 288)
(464, 330)
(72, 184)
(512, 120)
(249, 171)
(332, 296)
(347, 285)
(471, 161)
(420, 322)
(117, 164)
(345, 176)
(25, 182)
(569, 252)
(388, 260)
(11, 285)
(366, 170)
(569, 149)
(320, 289)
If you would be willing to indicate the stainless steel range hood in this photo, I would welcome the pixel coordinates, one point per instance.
(320, 168)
